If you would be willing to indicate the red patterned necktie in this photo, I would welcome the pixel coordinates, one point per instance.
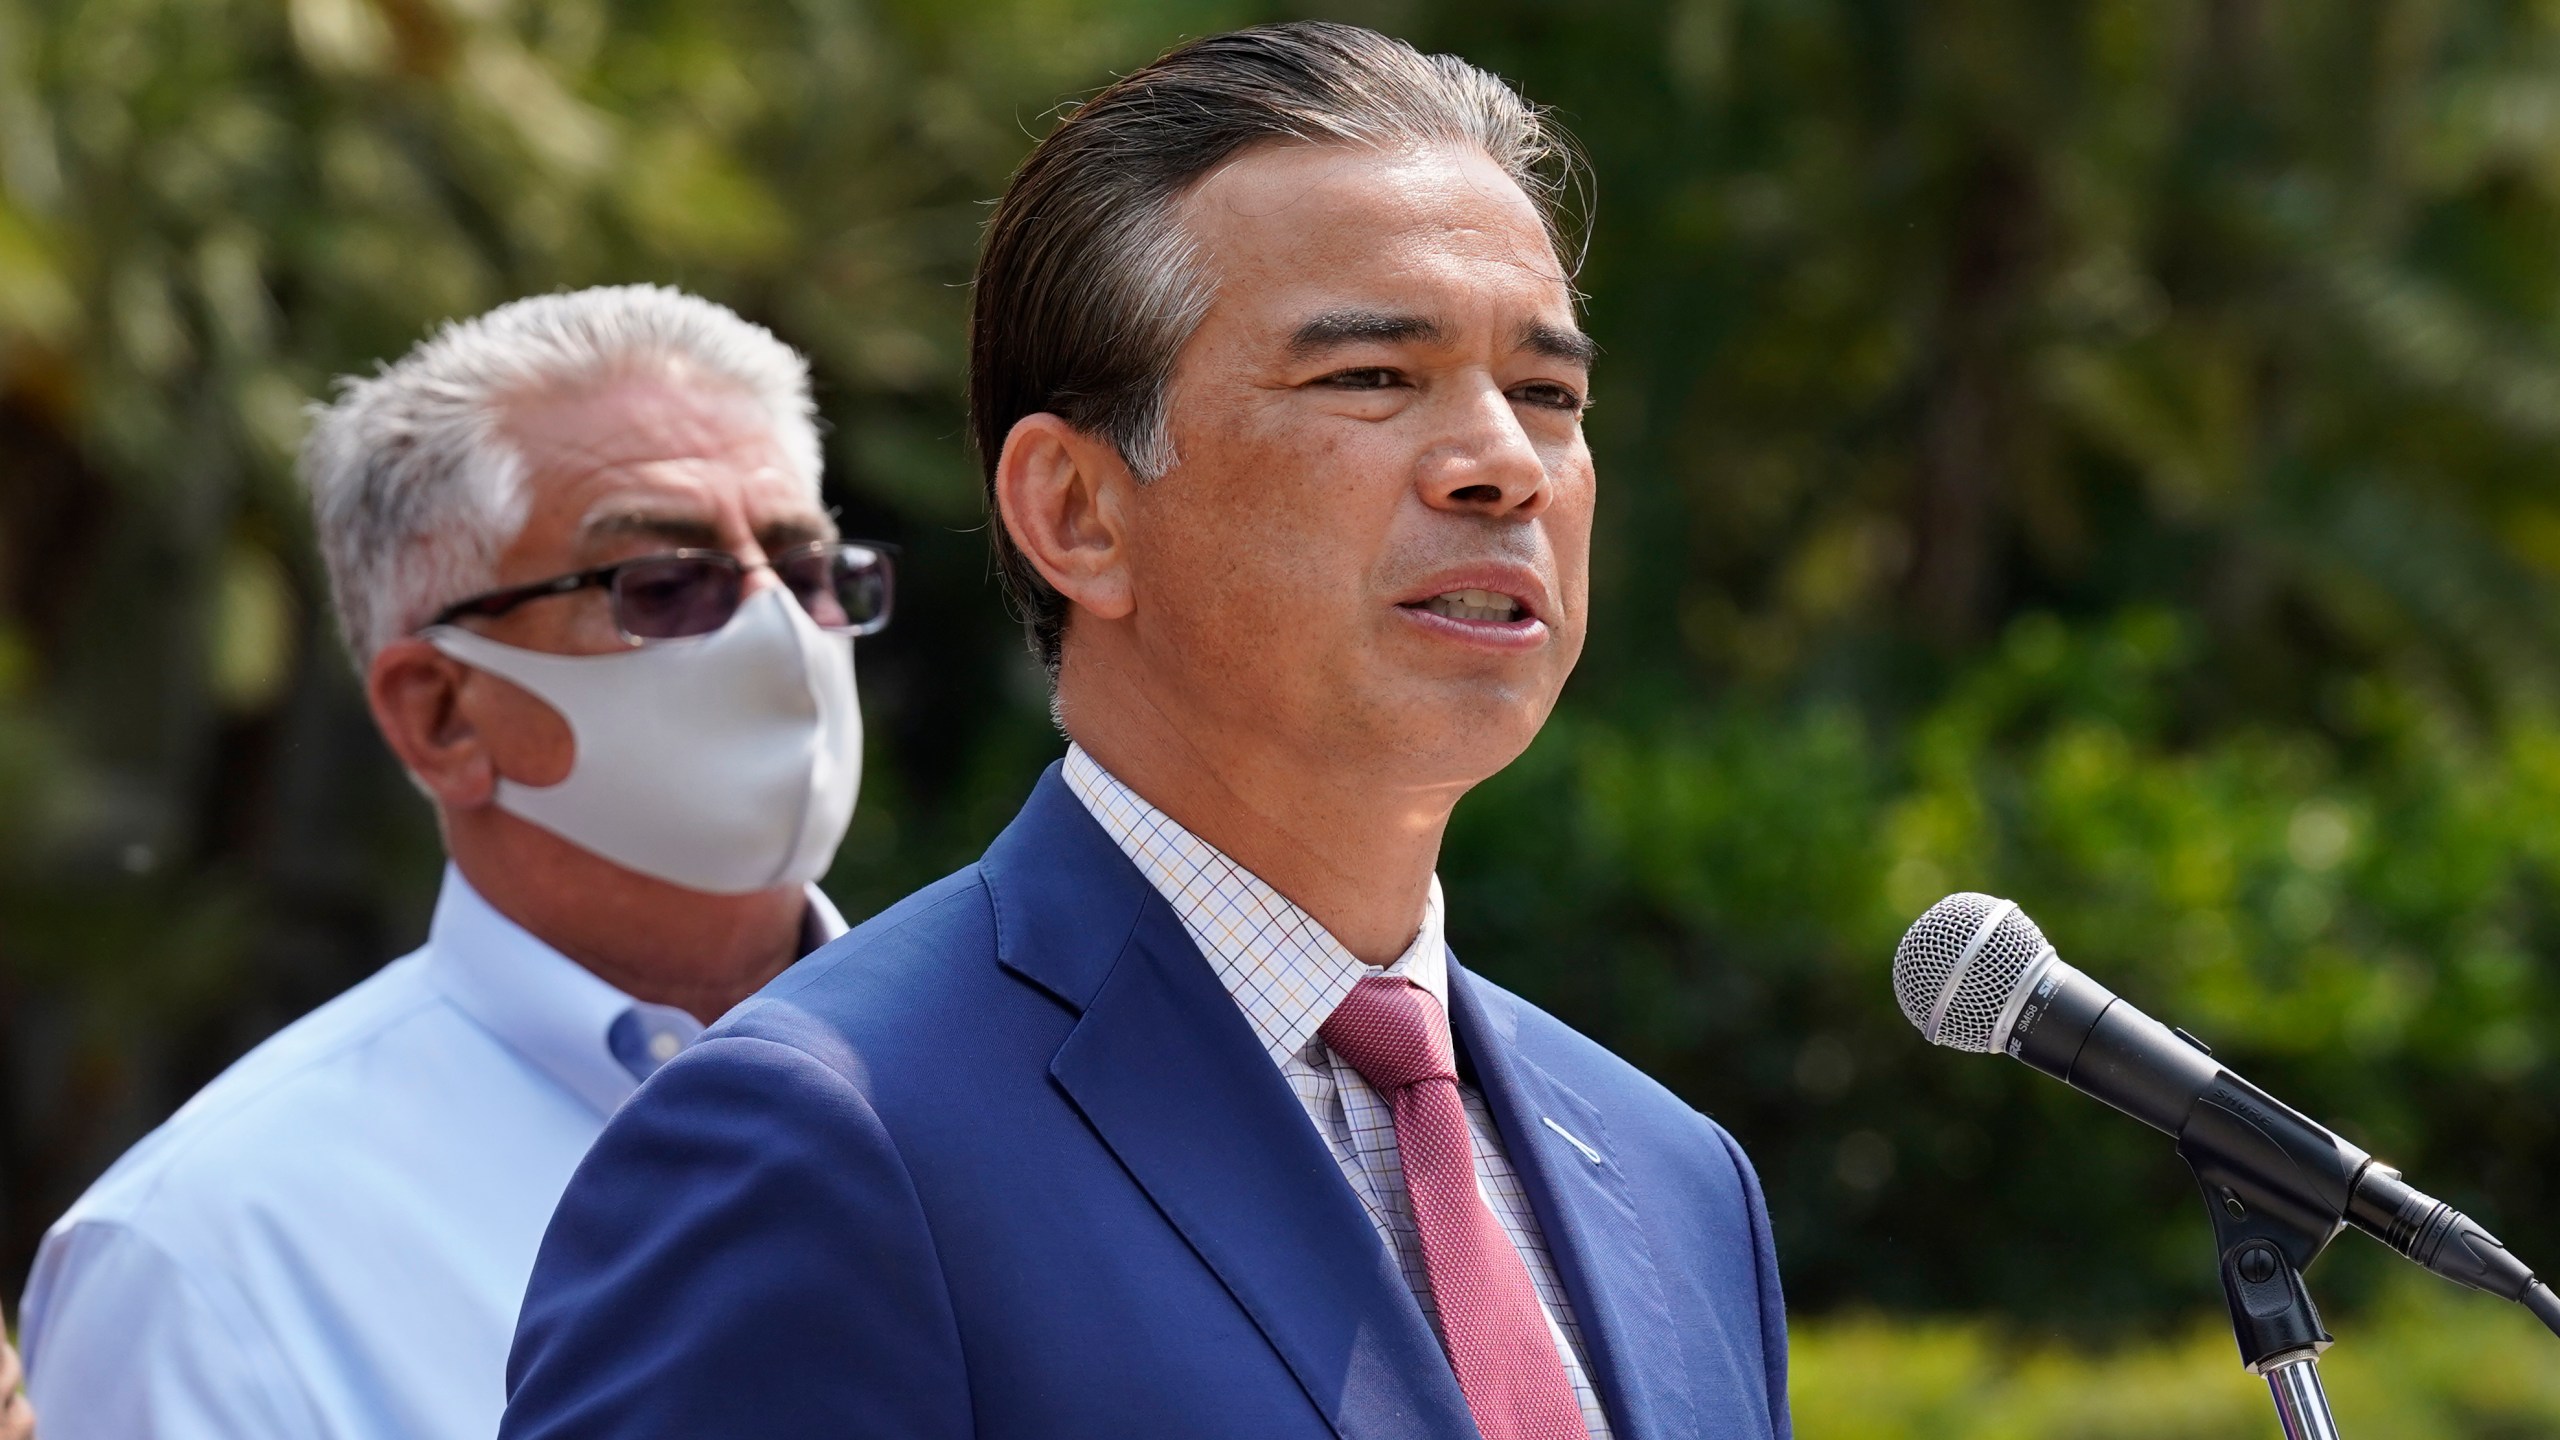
(1393, 1033)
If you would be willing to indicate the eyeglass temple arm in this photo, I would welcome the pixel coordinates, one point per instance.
(499, 602)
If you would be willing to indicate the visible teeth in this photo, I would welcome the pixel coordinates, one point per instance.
(1473, 605)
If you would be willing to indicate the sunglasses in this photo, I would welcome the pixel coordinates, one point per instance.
(845, 586)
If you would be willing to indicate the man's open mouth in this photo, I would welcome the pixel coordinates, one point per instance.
(1472, 605)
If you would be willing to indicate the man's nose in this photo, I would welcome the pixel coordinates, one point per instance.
(1487, 464)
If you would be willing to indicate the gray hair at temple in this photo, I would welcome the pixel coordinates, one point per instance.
(1087, 288)
(415, 489)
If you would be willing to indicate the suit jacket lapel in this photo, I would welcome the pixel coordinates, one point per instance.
(1170, 1076)
(1560, 1147)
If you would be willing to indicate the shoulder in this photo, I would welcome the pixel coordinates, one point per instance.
(289, 1125)
(148, 1263)
(749, 1212)
(908, 976)
(909, 1027)
(123, 1339)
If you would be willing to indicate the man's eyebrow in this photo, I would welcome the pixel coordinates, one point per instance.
(796, 530)
(1559, 342)
(680, 530)
(1336, 328)
(687, 532)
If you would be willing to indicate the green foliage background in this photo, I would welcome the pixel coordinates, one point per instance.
(2098, 451)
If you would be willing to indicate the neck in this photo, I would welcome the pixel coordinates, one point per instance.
(651, 940)
(1354, 851)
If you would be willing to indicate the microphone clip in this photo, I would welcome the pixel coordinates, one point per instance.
(2272, 1314)
(2263, 1250)
(2276, 1187)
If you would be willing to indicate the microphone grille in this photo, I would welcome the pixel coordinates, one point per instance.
(1959, 965)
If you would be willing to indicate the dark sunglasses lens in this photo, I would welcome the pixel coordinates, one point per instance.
(843, 587)
(679, 595)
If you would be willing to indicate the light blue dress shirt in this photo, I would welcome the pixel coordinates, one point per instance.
(329, 1242)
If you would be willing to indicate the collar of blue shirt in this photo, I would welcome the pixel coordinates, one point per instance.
(560, 1016)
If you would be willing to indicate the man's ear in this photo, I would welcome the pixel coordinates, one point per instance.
(415, 691)
(1062, 495)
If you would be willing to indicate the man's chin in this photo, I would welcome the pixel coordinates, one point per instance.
(1460, 733)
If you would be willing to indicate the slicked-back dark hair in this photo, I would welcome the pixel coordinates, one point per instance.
(1087, 288)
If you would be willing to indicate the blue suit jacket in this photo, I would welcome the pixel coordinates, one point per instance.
(1007, 1161)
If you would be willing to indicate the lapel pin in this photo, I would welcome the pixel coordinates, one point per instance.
(1572, 1139)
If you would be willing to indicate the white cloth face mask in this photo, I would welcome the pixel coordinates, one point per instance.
(725, 762)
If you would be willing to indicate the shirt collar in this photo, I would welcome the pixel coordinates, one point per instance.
(822, 924)
(556, 1013)
(1284, 970)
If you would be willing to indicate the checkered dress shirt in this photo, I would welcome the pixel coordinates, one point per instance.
(1287, 973)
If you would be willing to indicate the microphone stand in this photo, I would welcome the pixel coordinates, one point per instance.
(2301, 1406)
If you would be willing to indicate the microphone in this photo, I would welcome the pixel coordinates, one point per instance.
(1974, 973)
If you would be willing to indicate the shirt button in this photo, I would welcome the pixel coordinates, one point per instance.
(663, 1047)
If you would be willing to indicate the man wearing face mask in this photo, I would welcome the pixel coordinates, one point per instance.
(606, 625)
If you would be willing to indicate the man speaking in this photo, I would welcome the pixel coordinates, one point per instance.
(1174, 1116)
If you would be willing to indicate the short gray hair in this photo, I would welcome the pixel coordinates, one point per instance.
(1087, 288)
(414, 488)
